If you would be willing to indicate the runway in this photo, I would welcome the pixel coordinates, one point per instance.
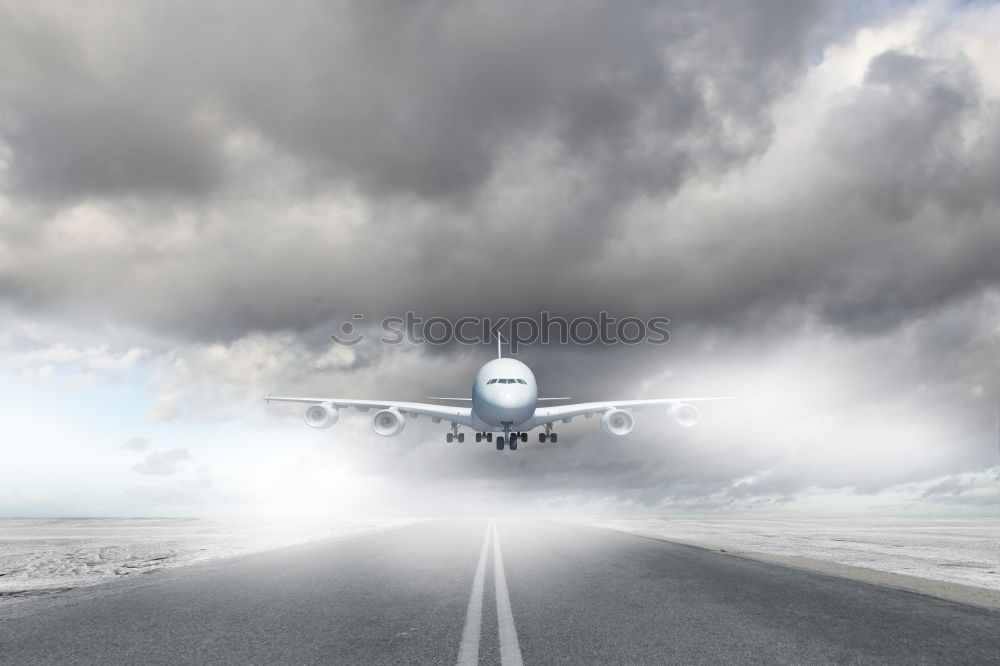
(471, 591)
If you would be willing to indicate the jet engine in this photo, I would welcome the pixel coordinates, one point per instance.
(322, 415)
(683, 415)
(388, 422)
(617, 422)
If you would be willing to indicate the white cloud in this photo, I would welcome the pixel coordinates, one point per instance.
(166, 408)
(162, 463)
(137, 444)
(81, 366)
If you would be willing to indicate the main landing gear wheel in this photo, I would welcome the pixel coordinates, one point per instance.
(461, 437)
(449, 437)
(513, 444)
(479, 436)
(489, 437)
(553, 438)
(541, 437)
(499, 443)
(524, 437)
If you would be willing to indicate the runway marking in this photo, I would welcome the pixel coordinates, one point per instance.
(468, 651)
(510, 649)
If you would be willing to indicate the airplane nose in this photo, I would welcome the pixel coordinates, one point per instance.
(499, 403)
(506, 399)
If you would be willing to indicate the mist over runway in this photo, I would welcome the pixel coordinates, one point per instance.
(496, 592)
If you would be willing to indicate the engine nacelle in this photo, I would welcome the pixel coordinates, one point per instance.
(388, 422)
(617, 422)
(685, 416)
(322, 415)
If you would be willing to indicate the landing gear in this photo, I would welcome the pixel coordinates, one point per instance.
(454, 434)
(548, 434)
(510, 439)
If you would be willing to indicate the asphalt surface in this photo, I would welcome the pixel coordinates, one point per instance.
(537, 592)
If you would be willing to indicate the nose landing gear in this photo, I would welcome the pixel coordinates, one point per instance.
(511, 442)
(505, 438)
(511, 439)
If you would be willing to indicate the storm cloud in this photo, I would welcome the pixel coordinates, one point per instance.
(809, 192)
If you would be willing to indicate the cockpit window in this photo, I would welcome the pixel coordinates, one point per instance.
(521, 381)
(492, 381)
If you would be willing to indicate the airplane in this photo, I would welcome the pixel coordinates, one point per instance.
(504, 400)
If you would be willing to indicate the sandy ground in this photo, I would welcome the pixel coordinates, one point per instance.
(43, 556)
(956, 559)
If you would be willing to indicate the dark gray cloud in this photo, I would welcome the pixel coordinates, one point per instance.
(94, 113)
(910, 149)
(424, 99)
(428, 99)
(522, 132)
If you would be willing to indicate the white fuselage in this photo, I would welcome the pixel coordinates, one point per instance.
(504, 395)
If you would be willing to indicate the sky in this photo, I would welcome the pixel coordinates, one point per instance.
(194, 196)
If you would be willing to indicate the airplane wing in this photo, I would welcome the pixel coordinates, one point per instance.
(567, 413)
(460, 415)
